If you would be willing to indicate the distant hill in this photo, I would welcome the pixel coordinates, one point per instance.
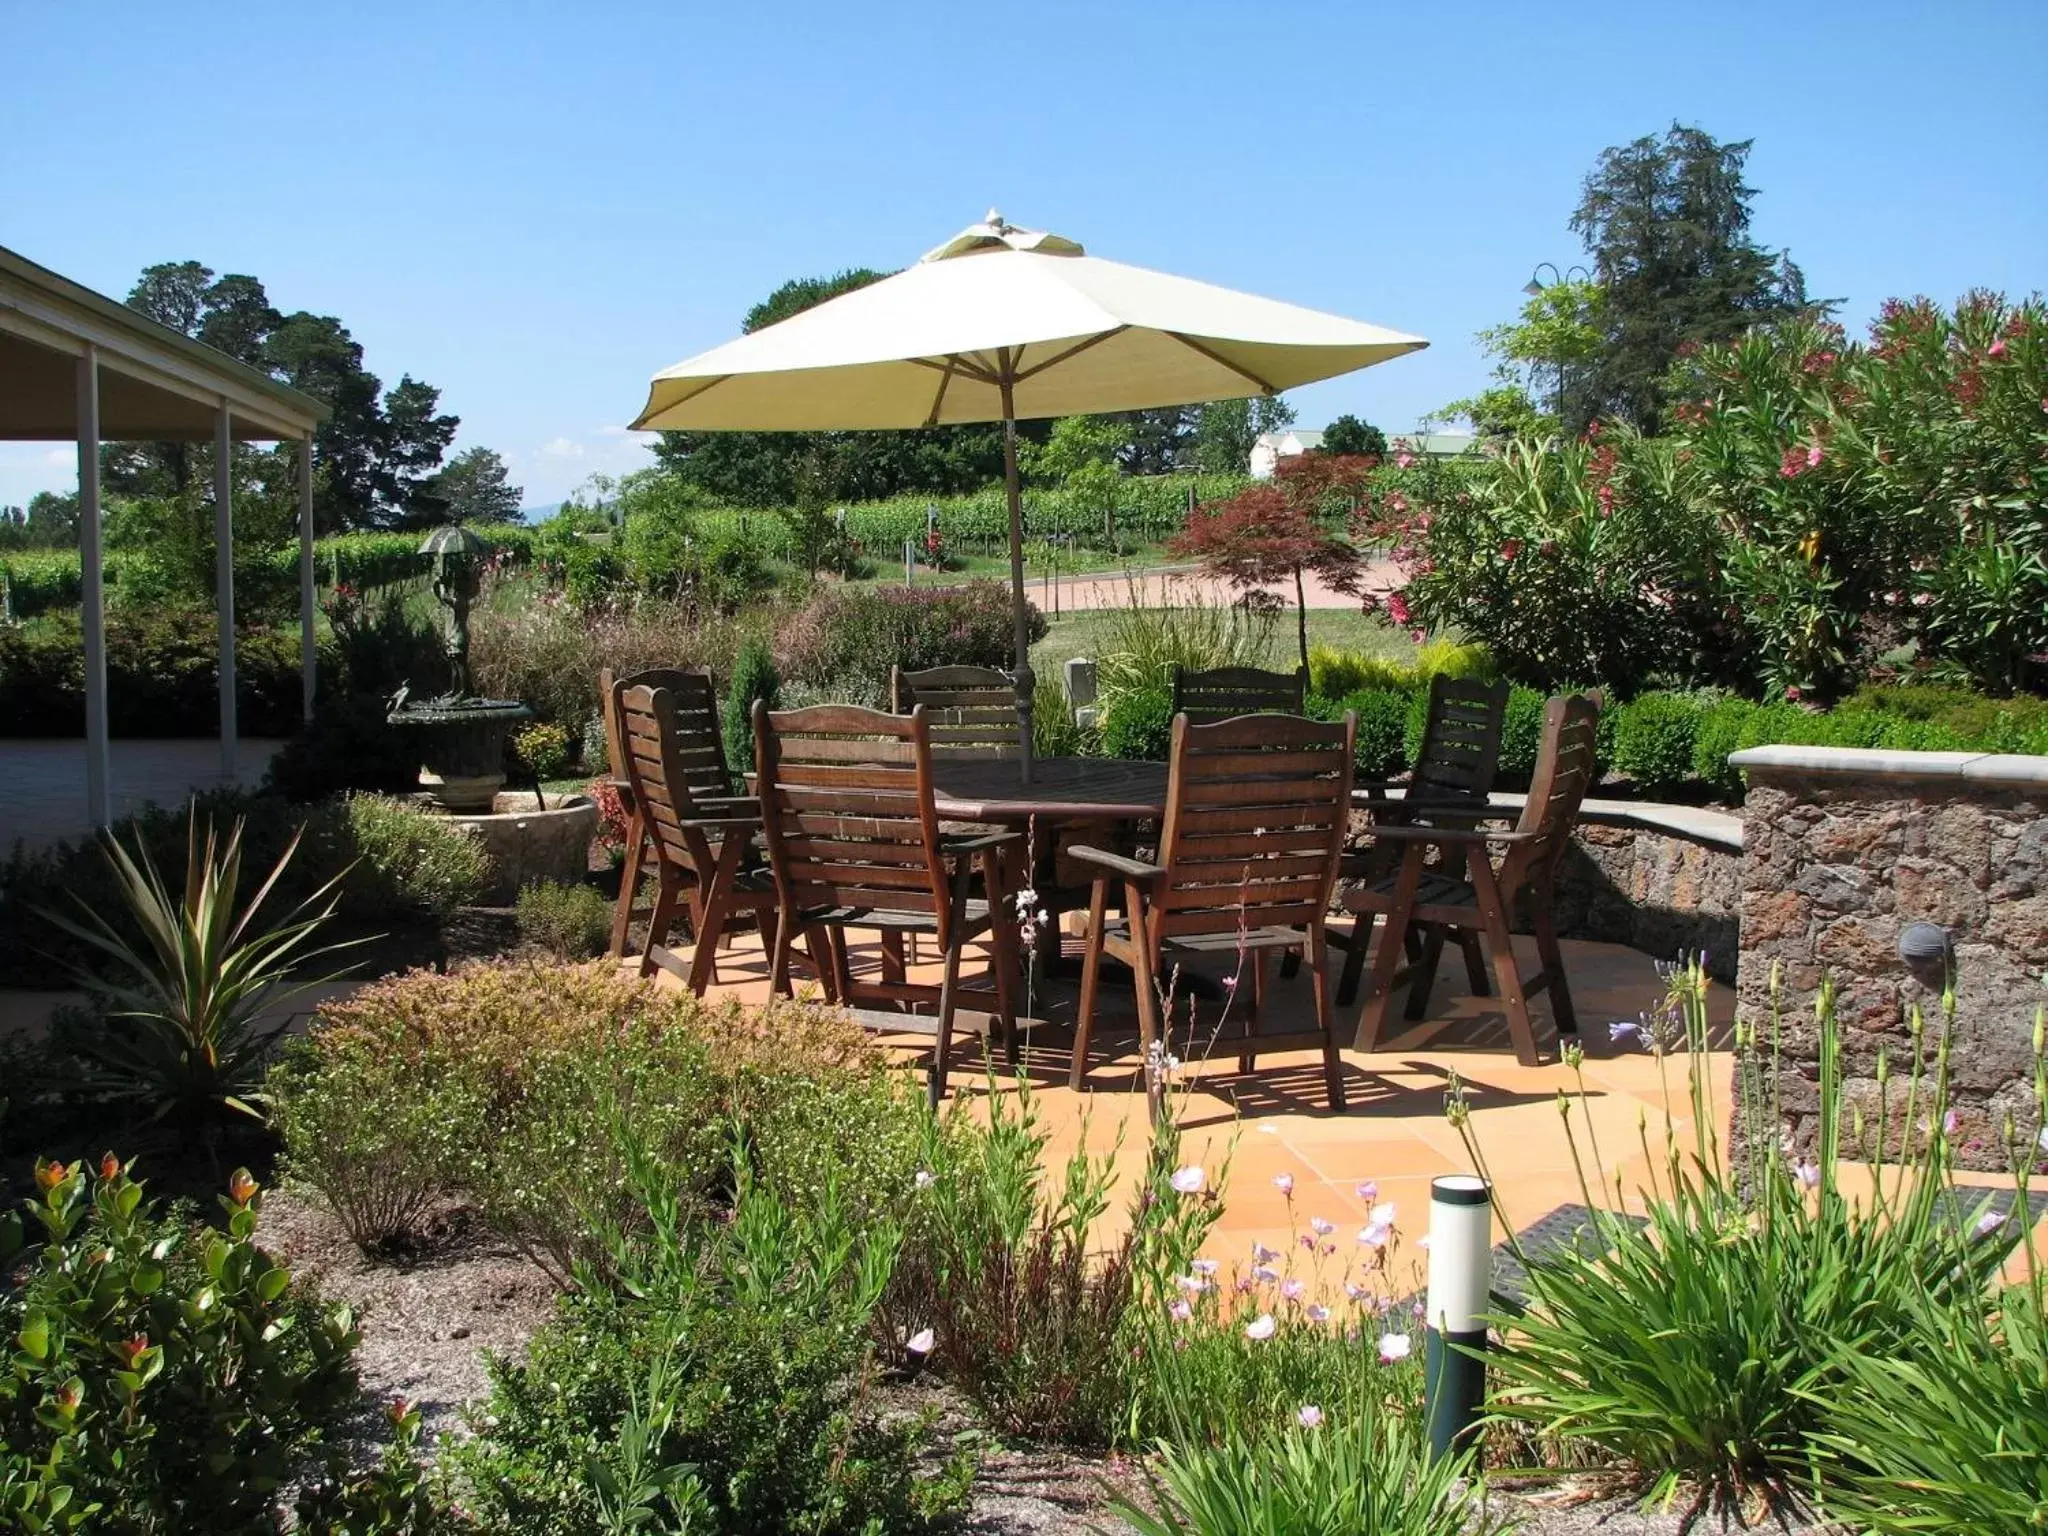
(539, 514)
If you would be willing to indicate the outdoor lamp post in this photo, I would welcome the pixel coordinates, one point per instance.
(1535, 288)
(1460, 1278)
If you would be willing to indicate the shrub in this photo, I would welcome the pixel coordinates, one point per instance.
(348, 744)
(1703, 1346)
(407, 862)
(1335, 674)
(1192, 632)
(1382, 749)
(753, 678)
(161, 1379)
(1719, 735)
(1055, 732)
(571, 922)
(542, 750)
(847, 638)
(161, 676)
(1357, 1468)
(736, 1359)
(1138, 723)
(1521, 737)
(1654, 740)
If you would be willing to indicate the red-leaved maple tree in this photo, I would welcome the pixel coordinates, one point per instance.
(1275, 531)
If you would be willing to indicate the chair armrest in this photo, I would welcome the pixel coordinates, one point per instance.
(976, 842)
(1461, 836)
(723, 823)
(1136, 869)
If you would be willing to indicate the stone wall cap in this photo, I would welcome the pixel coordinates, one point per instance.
(1876, 763)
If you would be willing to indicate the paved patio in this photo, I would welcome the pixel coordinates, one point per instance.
(42, 783)
(1275, 1121)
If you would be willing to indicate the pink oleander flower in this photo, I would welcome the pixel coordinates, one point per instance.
(1996, 349)
(1310, 1417)
(1510, 548)
(1394, 1346)
(1356, 1291)
(1261, 1327)
(1397, 608)
(1404, 460)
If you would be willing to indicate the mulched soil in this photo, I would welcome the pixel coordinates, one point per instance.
(429, 1320)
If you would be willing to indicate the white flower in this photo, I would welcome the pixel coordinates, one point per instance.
(1320, 1227)
(1188, 1180)
(1203, 1266)
(1310, 1417)
(1284, 1182)
(1394, 1346)
(1269, 1129)
(1808, 1176)
(1193, 1284)
(1260, 1327)
(1025, 900)
(1375, 1235)
(924, 1179)
(1382, 1215)
(1989, 1223)
(1422, 1241)
(1356, 1291)
(921, 1342)
(2042, 1139)
(1292, 1288)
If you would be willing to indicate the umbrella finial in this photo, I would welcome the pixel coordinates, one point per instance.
(995, 221)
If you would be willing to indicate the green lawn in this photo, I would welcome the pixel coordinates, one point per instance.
(1085, 634)
(974, 566)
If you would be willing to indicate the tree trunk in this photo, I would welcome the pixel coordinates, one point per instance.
(1301, 616)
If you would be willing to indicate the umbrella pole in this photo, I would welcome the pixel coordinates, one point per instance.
(1019, 604)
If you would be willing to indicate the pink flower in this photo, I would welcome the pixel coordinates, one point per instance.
(1318, 1313)
(1813, 457)
(1996, 349)
(1292, 1289)
(1404, 460)
(1808, 1176)
(1265, 1272)
(1194, 1285)
(1356, 1291)
(1394, 1346)
(1397, 608)
(1369, 1191)
(1188, 1180)
(1181, 1310)
(1261, 1254)
(921, 1342)
(1284, 1182)
(1320, 1227)
(1990, 1222)
(1261, 1327)
(1310, 1417)
(1510, 548)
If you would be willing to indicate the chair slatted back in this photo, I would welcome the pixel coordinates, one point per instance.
(1256, 812)
(651, 749)
(971, 711)
(1564, 775)
(1223, 693)
(1460, 752)
(846, 803)
(700, 746)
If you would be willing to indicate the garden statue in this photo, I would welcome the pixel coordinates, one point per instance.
(461, 737)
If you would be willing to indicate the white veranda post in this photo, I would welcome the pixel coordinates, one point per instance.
(308, 652)
(91, 589)
(224, 583)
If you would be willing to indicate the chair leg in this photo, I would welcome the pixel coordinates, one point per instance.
(1144, 971)
(629, 887)
(1475, 962)
(667, 897)
(713, 905)
(778, 963)
(1505, 970)
(1545, 924)
(1248, 1053)
(1355, 946)
(842, 972)
(892, 956)
(1091, 978)
(1424, 980)
(948, 1000)
(1386, 962)
(1290, 964)
(819, 942)
(1326, 1015)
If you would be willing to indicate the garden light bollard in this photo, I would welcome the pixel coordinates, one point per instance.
(1460, 1276)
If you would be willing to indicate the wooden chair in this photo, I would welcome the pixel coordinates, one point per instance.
(702, 844)
(1256, 812)
(1222, 693)
(970, 711)
(1455, 767)
(700, 760)
(853, 839)
(1484, 901)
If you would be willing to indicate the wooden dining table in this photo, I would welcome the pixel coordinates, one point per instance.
(1062, 791)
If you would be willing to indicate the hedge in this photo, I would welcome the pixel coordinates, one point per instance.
(42, 580)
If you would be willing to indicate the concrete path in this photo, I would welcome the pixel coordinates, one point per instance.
(42, 783)
(1165, 585)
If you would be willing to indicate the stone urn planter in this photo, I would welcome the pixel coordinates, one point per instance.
(529, 843)
(461, 744)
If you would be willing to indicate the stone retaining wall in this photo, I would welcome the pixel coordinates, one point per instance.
(1842, 849)
(1664, 894)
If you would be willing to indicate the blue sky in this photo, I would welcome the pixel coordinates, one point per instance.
(535, 206)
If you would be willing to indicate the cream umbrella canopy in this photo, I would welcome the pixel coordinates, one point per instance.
(1007, 324)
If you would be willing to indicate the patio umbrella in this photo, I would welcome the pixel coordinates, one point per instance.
(1003, 324)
